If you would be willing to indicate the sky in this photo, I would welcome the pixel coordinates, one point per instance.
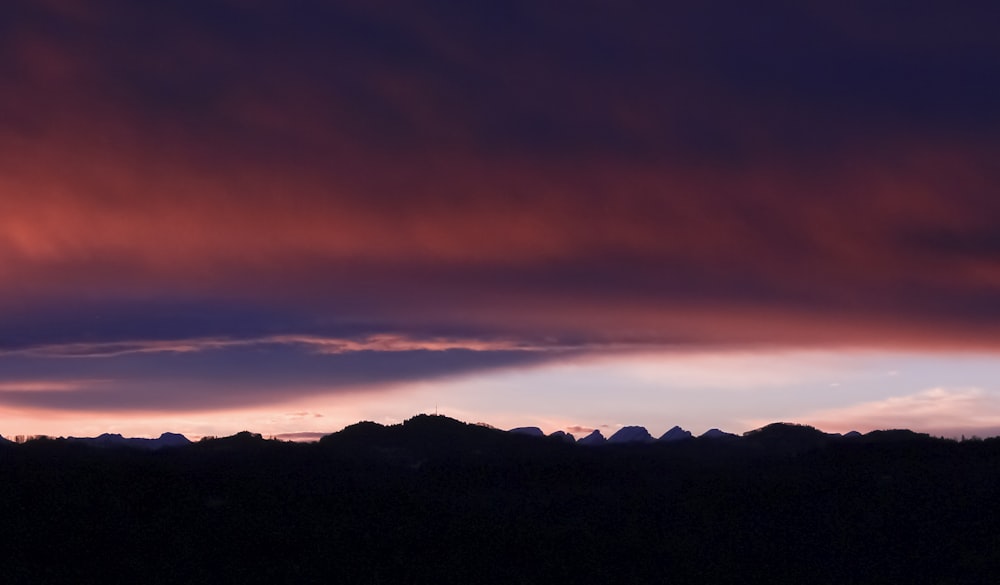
(286, 217)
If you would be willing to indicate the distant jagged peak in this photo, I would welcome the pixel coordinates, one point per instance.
(563, 435)
(169, 435)
(631, 434)
(117, 440)
(717, 434)
(530, 431)
(594, 438)
(676, 434)
(172, 440)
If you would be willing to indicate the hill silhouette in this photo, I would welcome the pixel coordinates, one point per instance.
(435, 500)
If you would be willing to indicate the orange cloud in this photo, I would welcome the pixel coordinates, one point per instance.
(457, 193)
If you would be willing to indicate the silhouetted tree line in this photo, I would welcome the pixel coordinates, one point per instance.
(439, 501)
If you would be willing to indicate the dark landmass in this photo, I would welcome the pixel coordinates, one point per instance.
(439, 501)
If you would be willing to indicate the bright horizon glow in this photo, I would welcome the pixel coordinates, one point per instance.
(737, 391)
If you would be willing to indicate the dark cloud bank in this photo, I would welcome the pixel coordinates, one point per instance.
(645, 172)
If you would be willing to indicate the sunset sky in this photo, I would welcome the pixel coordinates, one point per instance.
(289, 216)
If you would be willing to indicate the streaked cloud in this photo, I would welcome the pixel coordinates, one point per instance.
(46, 385)
(947, 412)
(316, 344)
(230, 377)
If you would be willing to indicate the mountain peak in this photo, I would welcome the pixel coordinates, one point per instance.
(717, 434)
(676, 434)
(632, 434)
(594, 438)
(530, 431)
(788, 438)
(171, 440)
(117, 440)
(563, 435)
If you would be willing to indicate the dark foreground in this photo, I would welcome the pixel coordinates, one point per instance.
(437, 501)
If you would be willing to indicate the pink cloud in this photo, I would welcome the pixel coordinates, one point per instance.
(940, 411)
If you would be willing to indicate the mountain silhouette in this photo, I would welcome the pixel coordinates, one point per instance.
(563, 436)
(633, 434)
(787, 438)
(530, 431)
(716, 434)
(436, 437)
(594, 438)
(434, 500)
(675, 434)
(896, 436)
(115, 440)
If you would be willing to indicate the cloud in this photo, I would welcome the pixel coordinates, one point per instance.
(302, 415)
(46, 386)
(315, 344)
(491, 184)
(225, 378)
(212, 373)
(947, 412)
(619, 251)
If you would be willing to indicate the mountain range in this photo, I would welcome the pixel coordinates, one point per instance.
(116, 440)
(434, 500)
(437, 428)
